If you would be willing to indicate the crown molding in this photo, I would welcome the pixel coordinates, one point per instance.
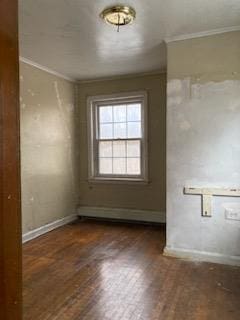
(201, 34)
(46, 69)
(129, 76)
(122, 77)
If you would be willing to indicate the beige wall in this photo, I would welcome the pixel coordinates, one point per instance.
(205, 59)
(203, 135)
(135, 196)
(47, 147)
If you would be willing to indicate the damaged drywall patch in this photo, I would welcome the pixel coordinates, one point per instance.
(31, 92)
(235, 106)
(47, 155)
(61, 109)
(227, 88)
(70, 107)
(183, 122)
(178, 91)
(203, 149)
(185, 125)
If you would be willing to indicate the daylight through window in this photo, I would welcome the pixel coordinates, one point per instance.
(118, 137)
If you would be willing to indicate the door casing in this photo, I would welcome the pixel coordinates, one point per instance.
(10, 200)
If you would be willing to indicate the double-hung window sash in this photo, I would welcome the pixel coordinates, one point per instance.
(118, 139)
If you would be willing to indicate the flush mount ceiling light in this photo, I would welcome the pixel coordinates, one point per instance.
(119, 15)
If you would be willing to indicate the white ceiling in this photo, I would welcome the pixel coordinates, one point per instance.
(69, 37)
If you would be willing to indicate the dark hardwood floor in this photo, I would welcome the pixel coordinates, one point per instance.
(115, 271)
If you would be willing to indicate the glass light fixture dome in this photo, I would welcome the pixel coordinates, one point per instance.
(118, 15)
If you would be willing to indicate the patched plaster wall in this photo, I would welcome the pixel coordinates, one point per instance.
(47, 147)
(203, 145)
(150, 196)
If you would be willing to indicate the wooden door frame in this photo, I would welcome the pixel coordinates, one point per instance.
(10, 203)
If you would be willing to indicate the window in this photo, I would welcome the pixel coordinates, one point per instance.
(118, 137)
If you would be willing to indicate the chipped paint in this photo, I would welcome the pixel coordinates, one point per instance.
(204, 92)
(207, 155)
(61, 109)
(47, 144)
(185, 125)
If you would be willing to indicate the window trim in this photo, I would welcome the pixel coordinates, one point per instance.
(92, 103)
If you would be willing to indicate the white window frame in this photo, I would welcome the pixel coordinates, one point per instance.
(93, 103)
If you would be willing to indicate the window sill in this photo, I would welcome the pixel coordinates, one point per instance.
(118, 181)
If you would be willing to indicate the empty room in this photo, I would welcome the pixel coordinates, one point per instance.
(120, 160)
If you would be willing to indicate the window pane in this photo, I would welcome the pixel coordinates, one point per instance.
(105, 149)
(105, 114)
(119, 166)
(105, 166)
(119, 149)
(134, 130)
(106, 131)
(134, 112)
(120, 130)
(133, 149)
(133, 166)
(120, 113)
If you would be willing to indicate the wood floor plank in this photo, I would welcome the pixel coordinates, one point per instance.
(93, 270)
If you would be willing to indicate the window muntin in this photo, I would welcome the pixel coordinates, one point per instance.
(118, 138)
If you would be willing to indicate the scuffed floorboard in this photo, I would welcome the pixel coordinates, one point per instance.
(115, 271)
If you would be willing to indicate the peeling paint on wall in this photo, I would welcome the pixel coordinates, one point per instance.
(47, 148)
(203, 149)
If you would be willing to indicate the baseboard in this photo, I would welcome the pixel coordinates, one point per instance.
(122, 214)
(47, 228)
(203, 256)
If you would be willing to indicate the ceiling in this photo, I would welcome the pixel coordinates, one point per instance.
(69, 37)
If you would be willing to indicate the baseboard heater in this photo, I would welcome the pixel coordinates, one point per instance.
(122, 214)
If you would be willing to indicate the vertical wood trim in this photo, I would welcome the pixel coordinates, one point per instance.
(10, 205)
